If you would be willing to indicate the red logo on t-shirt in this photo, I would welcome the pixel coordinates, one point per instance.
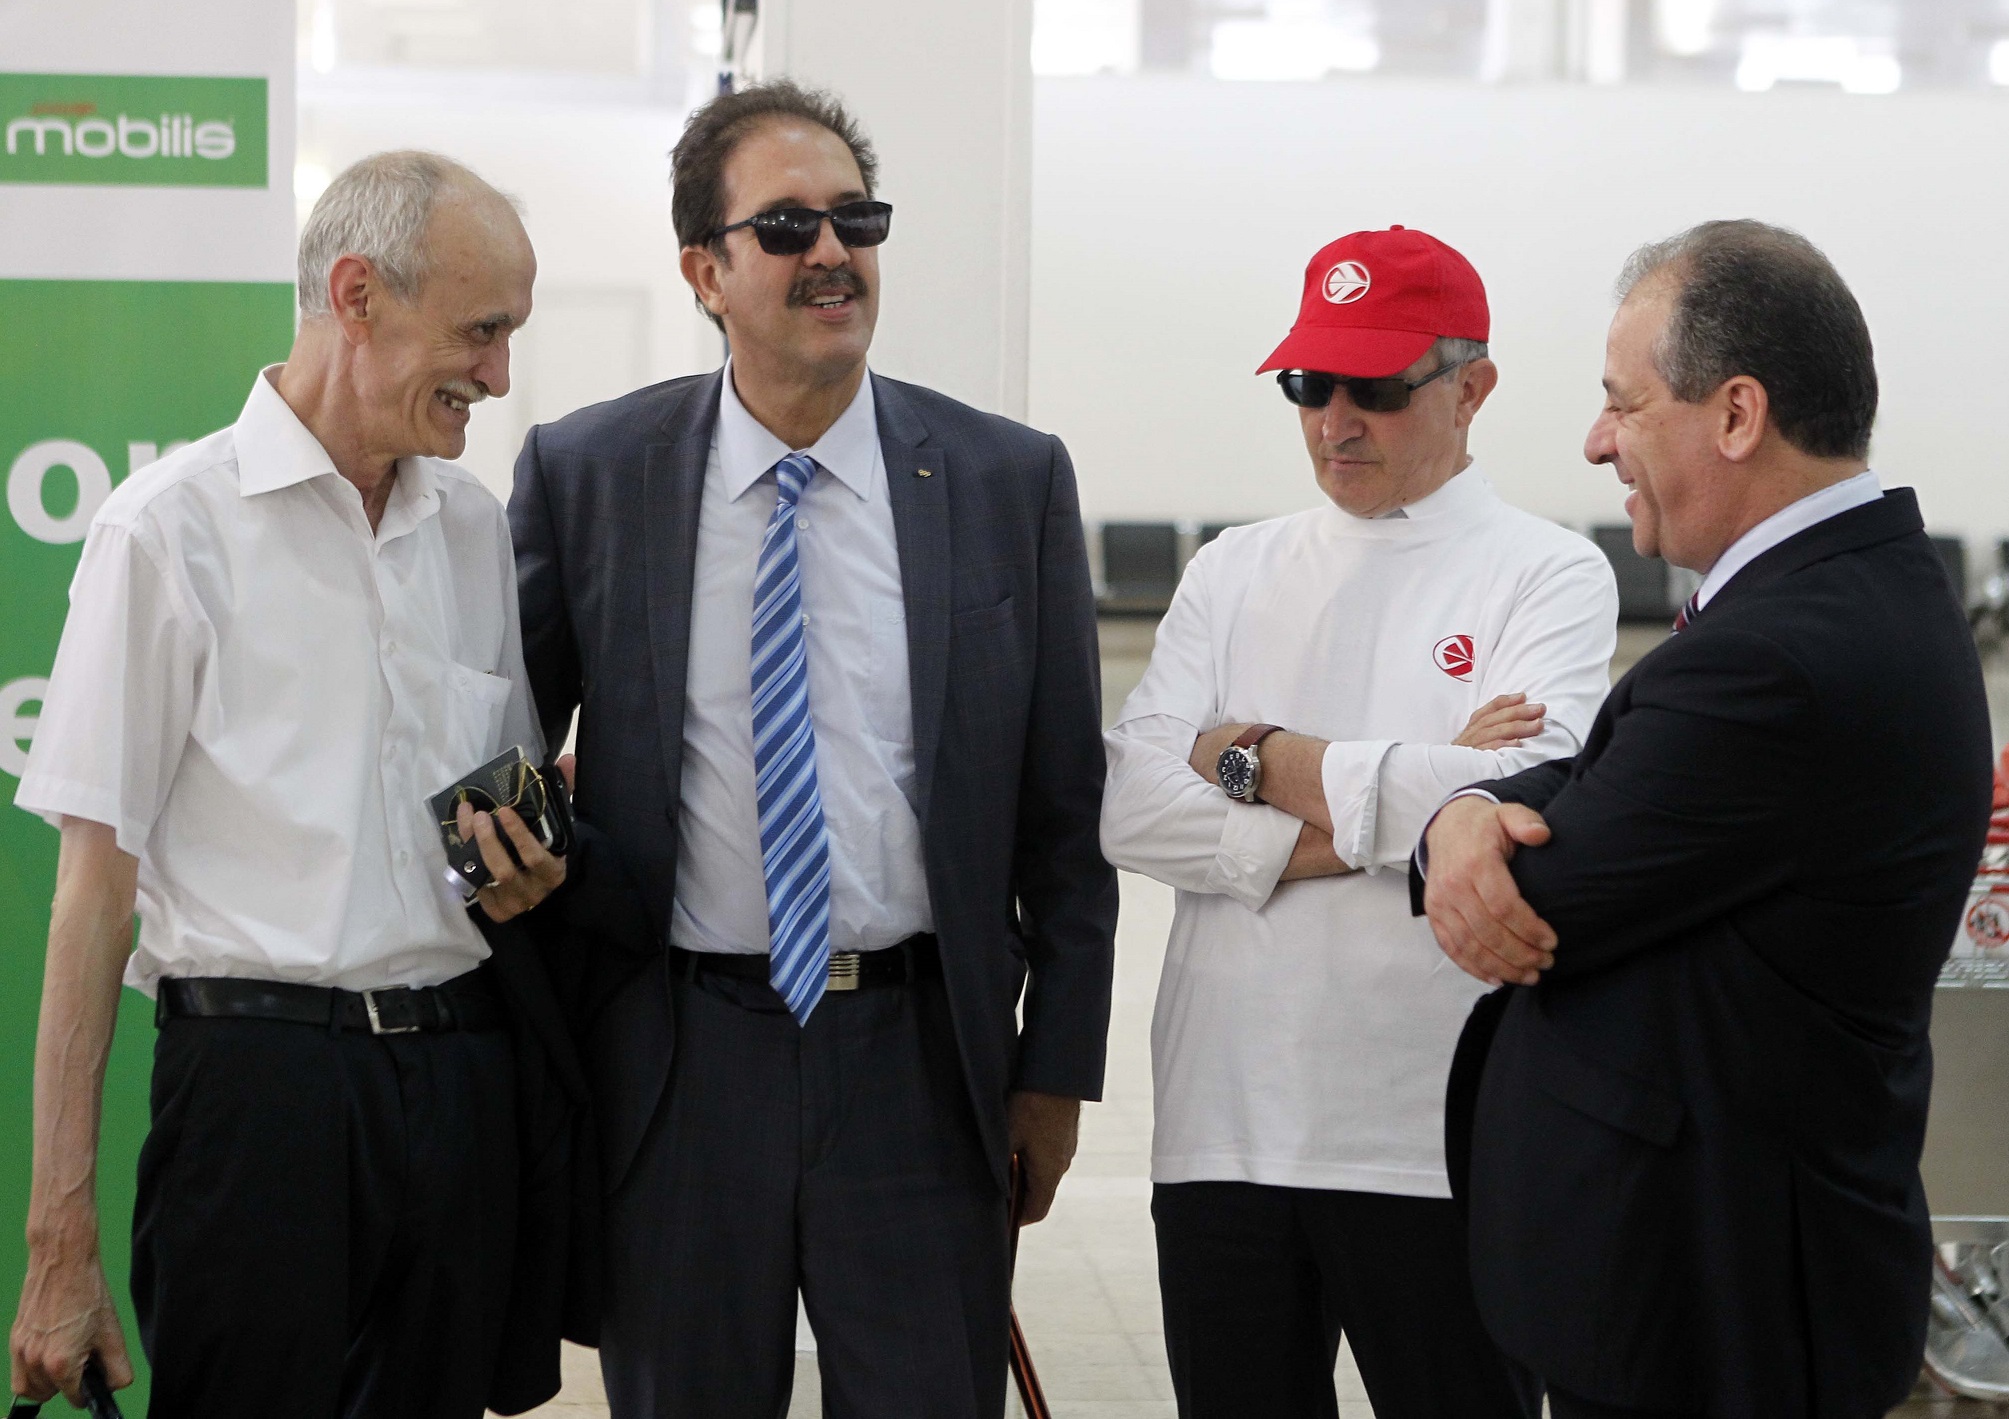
(1453, 655)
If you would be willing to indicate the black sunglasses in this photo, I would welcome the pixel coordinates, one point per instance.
(790, 231)
(1312, 389)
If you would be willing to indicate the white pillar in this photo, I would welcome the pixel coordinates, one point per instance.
(945, 91)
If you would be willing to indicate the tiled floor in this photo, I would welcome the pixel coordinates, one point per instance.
(1087, 1286)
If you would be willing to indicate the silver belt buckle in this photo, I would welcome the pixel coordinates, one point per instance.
(377, 1026)
(843, 971)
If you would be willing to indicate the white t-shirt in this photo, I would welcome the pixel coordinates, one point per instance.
(1304, 1030)
(259, 694)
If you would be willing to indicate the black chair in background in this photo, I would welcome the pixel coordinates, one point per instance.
(1140, 567)
(1210, 530)
(1953, 552)
(1642, 581)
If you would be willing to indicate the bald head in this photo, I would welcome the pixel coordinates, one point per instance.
(392, 210)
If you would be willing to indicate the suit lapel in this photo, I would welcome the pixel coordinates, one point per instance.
(917, 481)
(673, 487)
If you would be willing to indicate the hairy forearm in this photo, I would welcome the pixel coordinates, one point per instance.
(90, 936)
(1294, 778)
(1313, 856)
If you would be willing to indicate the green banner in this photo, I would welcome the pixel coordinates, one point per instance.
(144, 131)
(98, 378)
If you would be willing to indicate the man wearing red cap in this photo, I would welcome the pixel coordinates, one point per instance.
(1411, 633)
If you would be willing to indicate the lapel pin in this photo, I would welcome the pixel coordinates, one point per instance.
(924, 472)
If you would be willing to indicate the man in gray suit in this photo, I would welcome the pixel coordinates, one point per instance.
(832, 644)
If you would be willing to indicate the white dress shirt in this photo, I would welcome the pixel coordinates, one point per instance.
(1304, 1029)
(1789, 521)
(258, 693)
(860, 695)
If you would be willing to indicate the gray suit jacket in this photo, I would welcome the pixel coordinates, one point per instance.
(1007, 724)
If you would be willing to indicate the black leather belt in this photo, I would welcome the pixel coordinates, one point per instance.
(916, 958)
(464, 1003)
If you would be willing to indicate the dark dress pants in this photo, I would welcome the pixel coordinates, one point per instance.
(841, 1160)
(1259, 1283)
(1568, 1406)
(325, 1221)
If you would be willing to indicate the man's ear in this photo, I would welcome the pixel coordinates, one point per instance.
(1744, 408)
(352, 292)
(701, 266)
(1476, 383)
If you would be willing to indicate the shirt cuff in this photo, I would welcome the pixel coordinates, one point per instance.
(1423, 838)
(1351, 773)
(1256, 845)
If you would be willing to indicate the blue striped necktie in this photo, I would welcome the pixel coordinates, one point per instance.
(794, 844)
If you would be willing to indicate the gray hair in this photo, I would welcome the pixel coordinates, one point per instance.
(1452, 351)
(378, 208)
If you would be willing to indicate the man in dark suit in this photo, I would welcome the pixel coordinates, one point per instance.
(832, 644)
(1693, 1142)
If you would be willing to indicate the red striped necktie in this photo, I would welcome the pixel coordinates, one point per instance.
(1688, 612)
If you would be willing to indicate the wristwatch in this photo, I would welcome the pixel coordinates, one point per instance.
(1240, 767)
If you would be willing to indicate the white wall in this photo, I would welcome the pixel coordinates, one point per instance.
(945, 91)
(1172, 219)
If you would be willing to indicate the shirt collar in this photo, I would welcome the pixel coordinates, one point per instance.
(276, 450)
(1789, 521)
(848, 448)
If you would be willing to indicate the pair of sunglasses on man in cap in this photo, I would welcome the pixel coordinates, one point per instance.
(1374, 303)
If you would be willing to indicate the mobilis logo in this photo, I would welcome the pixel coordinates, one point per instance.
(173, 135)
(67, 128)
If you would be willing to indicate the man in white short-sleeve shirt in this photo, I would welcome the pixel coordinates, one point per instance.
(1320, 684)
(283, 639)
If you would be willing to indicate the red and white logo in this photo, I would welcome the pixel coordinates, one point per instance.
(1454, 655)
(1988, 924)
(1347, 282)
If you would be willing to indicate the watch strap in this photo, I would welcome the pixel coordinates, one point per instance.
(1255, 734)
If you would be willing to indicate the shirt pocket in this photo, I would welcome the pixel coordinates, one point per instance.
(888, 695)
(475, 701)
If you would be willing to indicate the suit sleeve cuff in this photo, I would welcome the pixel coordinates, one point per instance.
(1351, 772)
(1423, 838)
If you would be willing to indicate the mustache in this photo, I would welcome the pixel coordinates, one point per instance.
(841, 282)
(466, 391)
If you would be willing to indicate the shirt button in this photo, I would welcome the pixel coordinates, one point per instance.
(805, 618)
(404, 858)
(803, 523)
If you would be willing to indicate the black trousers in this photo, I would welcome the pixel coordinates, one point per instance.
(1259, 1283)
(1568, 1406)
(839, 1160)
(325, 1221)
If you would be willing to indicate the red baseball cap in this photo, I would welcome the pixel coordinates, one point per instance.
(1374, 302)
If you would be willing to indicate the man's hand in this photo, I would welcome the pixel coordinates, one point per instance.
(1502, 722)
(66, 1315)
(1044, 1129)
(515, 890)
(1475, 908)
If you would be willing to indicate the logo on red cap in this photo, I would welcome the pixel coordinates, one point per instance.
(1347, 282)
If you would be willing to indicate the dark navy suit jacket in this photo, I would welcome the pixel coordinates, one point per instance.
(1693, 1147)
(1007, 723)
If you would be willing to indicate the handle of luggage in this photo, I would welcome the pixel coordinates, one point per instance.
(98, 1401)
(1030, 1395)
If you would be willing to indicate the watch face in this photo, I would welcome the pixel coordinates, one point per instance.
(1236, 772)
